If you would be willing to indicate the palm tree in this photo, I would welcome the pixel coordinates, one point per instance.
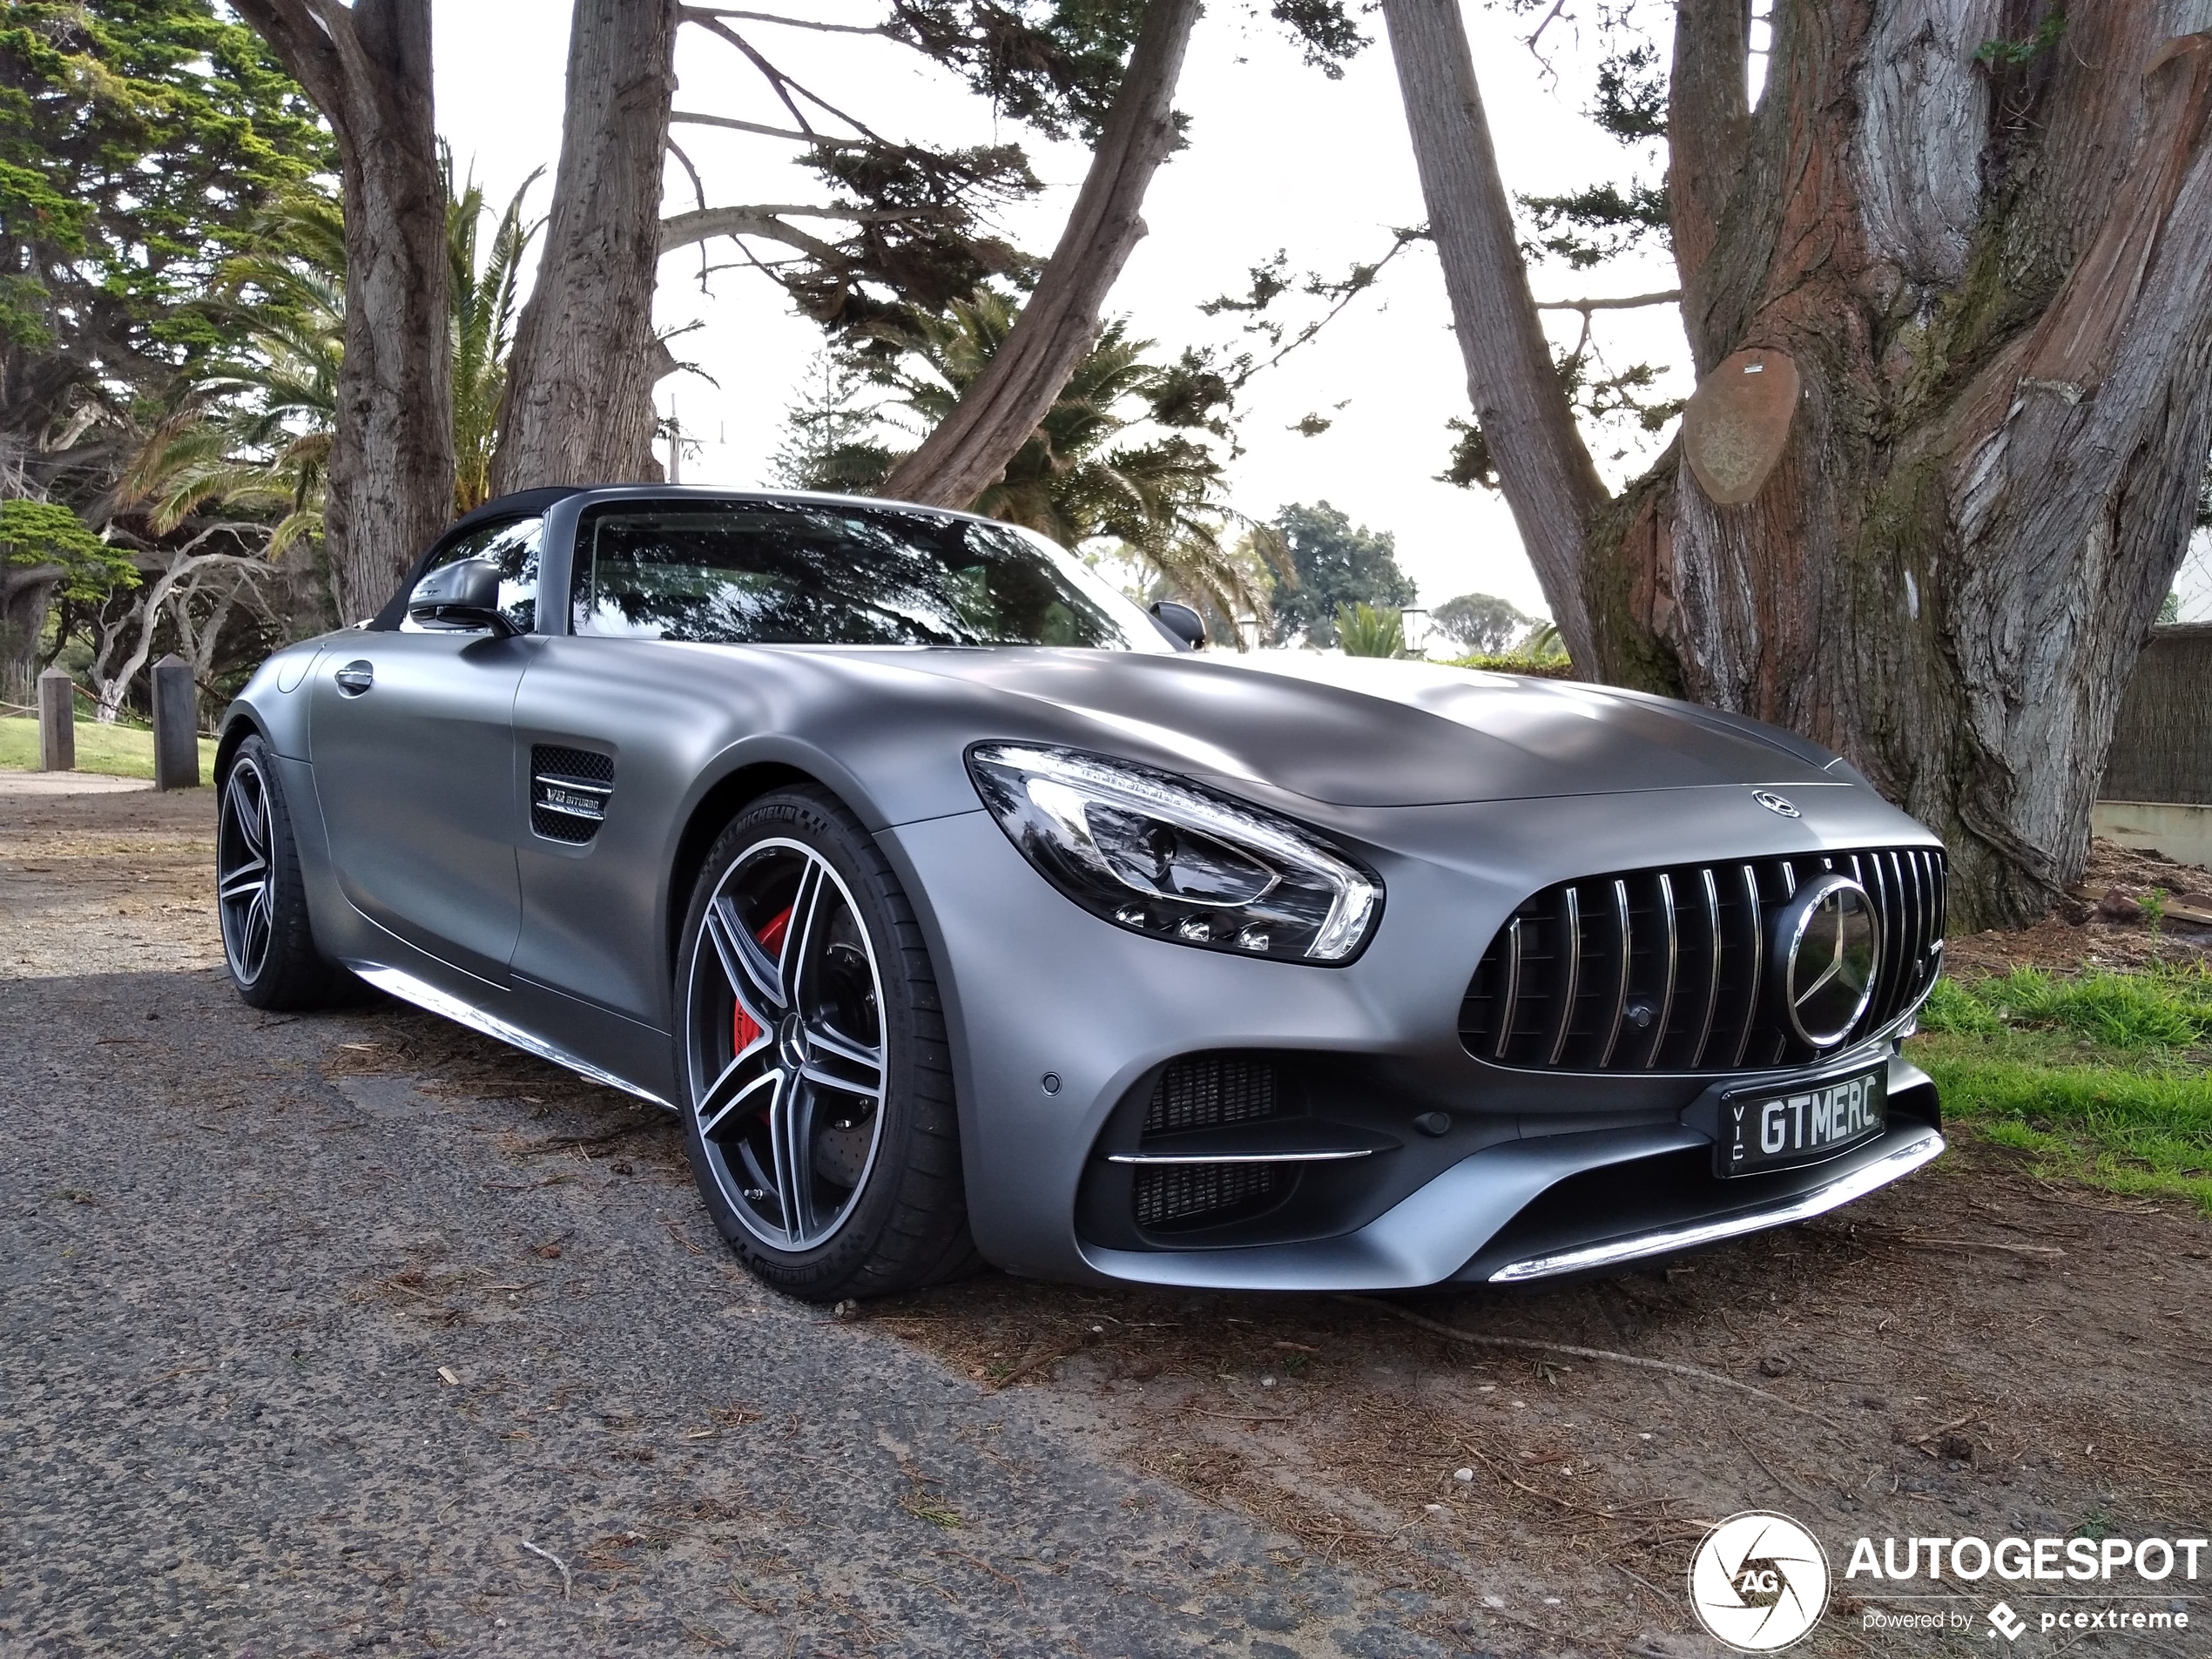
(255, 437)
(1158, 497)
(483, 306)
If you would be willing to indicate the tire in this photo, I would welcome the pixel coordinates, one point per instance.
(261, 901)
(810, 1044)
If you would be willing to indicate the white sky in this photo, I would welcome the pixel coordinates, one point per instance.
(1279, 157)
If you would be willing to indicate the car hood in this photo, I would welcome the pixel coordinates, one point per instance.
(1359, 731)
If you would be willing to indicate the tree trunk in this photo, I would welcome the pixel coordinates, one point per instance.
(368, 67)
(1544, 471)
(579, 403)
(969, 449)
(1993, 284)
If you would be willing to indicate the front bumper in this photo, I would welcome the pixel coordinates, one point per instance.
(1059, 1021)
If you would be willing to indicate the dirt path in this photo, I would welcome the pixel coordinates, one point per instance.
(238, 1251)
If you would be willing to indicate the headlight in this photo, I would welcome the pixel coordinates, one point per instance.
(1163, 857)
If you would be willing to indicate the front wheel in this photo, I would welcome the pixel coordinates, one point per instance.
(260, 896)
(819, 1107)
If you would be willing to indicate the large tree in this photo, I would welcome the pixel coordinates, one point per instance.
(580, 392)
(141, 145)
(1337, 564)
(368, 67)
(1948, 289)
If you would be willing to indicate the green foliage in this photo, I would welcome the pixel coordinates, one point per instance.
(2098, 1077)
(483, 289)
(1480, 624)
(141, 142)
(1113, 459)
(1589, 226)
(41, 532)
(829, 439)
(1542, 668)
(1336, 564)
(1631, 98)
(2169, 607)
(1365, 632)
(2018, 54)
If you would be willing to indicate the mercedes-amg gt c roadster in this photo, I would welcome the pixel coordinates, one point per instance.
(961, 909)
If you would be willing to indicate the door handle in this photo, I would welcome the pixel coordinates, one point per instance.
(355, 677)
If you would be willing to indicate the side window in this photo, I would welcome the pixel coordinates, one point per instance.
(515, 545)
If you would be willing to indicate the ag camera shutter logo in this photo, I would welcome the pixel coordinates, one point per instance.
(1758, 1582)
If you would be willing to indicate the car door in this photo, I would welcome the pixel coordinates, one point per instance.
(414, 751)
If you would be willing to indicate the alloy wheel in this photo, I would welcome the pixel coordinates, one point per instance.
(785, 1045)
(245, 871)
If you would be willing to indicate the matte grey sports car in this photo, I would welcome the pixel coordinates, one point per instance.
(961, 909)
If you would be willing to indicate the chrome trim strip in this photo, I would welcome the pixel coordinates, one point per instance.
(1574, 986)
(1512, 990)
(1833, 1195)
(1623, 933)
(423, 995)
(1667, 990)
(1241, 1157)
(1713, 970)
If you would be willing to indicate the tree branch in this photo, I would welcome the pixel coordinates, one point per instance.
(707, 14)
(1626, 302)
(970, 449)
(687, 118)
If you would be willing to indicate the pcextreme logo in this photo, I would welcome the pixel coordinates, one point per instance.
(1758, 1582)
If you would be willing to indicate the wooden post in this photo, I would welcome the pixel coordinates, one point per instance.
(56, 721)
(175, 725)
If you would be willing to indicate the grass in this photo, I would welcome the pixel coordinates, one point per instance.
(119, 750)
(2100, 1077)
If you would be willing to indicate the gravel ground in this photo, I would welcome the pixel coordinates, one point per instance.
(299, 1363)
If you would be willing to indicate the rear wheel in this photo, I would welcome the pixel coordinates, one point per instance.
(260, 898)
(819, 1104)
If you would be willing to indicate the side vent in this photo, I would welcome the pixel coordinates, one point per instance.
(570, 789)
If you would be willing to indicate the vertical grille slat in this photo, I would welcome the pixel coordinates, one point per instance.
(1690, 944)
(1570, 929)
(1712, 966)
(1511, 1000)
(1624, 934)
(1662, 1011)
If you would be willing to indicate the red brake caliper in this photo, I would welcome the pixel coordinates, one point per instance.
(743, 1028)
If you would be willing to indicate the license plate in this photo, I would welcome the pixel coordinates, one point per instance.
(1766, 1128)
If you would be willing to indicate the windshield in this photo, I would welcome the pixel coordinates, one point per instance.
(803, 573)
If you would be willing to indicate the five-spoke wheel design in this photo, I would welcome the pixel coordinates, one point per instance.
(246, 871)
(786, 1047)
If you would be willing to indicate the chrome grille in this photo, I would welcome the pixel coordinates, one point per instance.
(1668, 970)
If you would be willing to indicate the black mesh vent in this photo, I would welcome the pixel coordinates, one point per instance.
(1210, 1090)
(1668, 970)
(1204, 1195)
(552, 765)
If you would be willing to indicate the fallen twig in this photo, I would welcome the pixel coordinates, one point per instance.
(1695, 1373)
(1773, 1474)
(557, 1560)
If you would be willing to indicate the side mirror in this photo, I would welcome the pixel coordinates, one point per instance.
(1183, 624)
(463, 594)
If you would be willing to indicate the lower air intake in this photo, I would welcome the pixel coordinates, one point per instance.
(1204, 1195)
(1208, 1091)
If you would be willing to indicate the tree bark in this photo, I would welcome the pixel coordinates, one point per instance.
(579, 404)
(969, 449)
(367, 69)
(1544, 471)
(1994, 283)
